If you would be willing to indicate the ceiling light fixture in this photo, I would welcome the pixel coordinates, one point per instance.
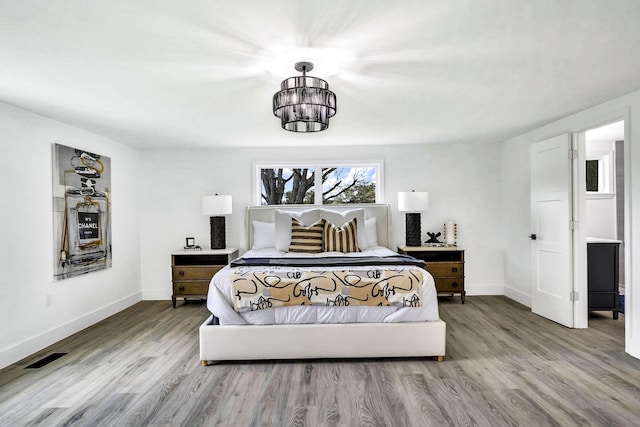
(304, 103)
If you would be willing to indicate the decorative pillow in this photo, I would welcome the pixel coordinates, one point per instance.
(341, 239)
(306, 238)
(341, 218)
(283, 225)
(371, 228)
(264, 235)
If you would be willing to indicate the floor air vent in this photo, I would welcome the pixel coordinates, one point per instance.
(45, 360)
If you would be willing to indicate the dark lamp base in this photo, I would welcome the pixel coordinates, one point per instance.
(217, 232)
(413, 231)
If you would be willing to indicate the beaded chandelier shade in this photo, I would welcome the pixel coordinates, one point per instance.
(304, 103)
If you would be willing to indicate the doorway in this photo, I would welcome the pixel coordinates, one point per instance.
(603, 221)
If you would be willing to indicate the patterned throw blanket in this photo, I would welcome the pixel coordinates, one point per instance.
(259, 288)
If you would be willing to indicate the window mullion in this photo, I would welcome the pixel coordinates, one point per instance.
(317, 187)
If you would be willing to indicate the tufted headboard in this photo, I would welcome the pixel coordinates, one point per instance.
(378, 211)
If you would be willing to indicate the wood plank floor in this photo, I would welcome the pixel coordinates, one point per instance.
(504, 366)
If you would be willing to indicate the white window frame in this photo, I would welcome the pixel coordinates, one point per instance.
(606, 171)
(318, 166)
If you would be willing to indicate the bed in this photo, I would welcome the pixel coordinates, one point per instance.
(309, 331)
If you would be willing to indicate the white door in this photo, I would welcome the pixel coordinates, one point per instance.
(551, 235)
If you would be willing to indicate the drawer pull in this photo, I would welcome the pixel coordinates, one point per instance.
(454, 284)
(181, 288)
(180, 273)
(454, 269)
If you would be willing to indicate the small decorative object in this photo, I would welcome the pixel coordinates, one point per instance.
(451, 233)
(216, 207)
(191, 245)
(433, 237)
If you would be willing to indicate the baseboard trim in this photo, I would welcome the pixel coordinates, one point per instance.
(632, 348)
(156, 294)
(483, 289)
(19, 351)
(517, 295)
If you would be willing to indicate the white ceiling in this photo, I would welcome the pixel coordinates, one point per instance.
(195, 73)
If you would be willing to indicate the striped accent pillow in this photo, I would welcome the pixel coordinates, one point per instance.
(306, 239)
(341, 239)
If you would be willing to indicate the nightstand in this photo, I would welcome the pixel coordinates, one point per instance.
(445, 263)
(191, 271)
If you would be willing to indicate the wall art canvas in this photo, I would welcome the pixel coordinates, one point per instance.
(81, 211)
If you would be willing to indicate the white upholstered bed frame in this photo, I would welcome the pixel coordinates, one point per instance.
(315, 341)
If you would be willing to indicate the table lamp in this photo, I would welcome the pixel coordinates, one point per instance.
(413, 202)
(216, 207)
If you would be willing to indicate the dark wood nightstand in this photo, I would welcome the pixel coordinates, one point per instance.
(445, 263)
(191, 271)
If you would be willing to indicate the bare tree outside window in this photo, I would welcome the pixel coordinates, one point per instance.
(339, 185)
(284, 186)
(348, 185)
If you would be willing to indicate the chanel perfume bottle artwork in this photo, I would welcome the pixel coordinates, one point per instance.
(81, 211)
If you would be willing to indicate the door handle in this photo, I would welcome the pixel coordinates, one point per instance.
(533, 236)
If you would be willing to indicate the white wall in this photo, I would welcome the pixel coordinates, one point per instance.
(463, 181)
(601, 206)
(601, 217)
(516, 220)
(515, 199)
(35, 310)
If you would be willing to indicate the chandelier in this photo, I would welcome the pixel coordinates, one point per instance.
(304, 103)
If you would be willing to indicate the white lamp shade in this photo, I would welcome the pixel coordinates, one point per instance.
(216, 205)
(413, 201)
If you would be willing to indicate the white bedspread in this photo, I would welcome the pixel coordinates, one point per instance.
(220, 301)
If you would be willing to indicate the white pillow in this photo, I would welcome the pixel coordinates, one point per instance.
(264, 235)
(341, 218)
(283, 225)
(371, 227)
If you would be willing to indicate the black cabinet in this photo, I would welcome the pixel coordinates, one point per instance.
(602, 276)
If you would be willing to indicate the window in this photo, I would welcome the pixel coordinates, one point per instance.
(318, 184)
(592, 175)
(287, 186)
(600, 174)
